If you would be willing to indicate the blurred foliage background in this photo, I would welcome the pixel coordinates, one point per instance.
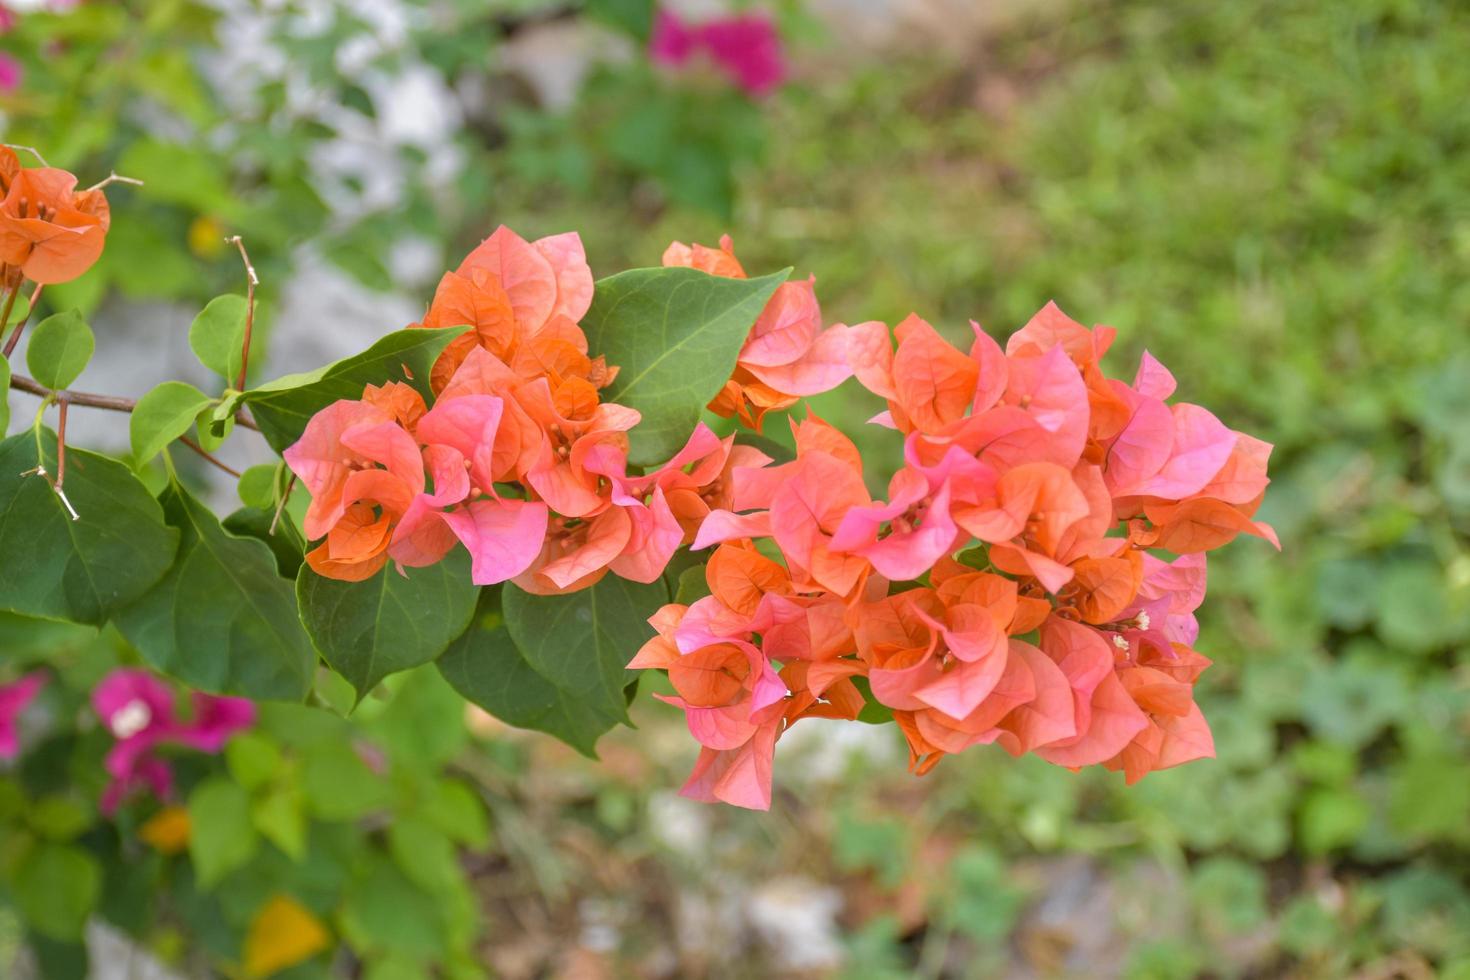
(1274, 197)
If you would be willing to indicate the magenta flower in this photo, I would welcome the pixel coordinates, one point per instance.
(10, 73)
(746, 48)
(138, 709)
(13, 700)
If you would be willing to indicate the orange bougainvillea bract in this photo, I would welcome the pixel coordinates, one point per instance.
(1009, 591)
(49, 231)
(1029, 579)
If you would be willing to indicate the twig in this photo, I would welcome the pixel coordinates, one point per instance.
(112, 403)
(290, 485)
(205, 453)
(29, 149)
(64, 403)
(10, 296)
(251, 281)
(61, 459)
(21, 326)
(115, 178)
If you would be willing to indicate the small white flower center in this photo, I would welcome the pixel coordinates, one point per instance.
(1143, 619)
(1119, 642)
(131, 719)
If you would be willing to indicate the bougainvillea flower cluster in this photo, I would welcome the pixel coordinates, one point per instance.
(789, 354)
(1009, 590)
(519, 459)
(49, 231)
(745, 48)
(139, 710)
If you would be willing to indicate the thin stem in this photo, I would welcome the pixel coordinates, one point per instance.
(56, 484)
(280, 507)
(10, 295)
(205, 453)
(21, 326)
(64, 403)
(29, 149)
(112, 403)
(115, 178)
(251, 281)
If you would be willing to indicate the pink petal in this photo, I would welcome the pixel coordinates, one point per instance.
(573, 276)
(216, 720)
(1201, 446)
(522, 270)
(960, 689)
(994, 370)
(1141, 449)
(1153, 379)
(740, 777)
(503, 536)
(1047, 718)
(468, 424)
(1054, 394)
(823, 367)
(786, 328)
(656, 535)
(722, 525)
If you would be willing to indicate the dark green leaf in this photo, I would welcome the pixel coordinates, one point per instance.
(80, 571)
(283, 407)
(486, 667)
(161, 416)
(634, 17)
(693, 586)
(221, 619)
(217, 335)
(674, 334)
(286, 542)
(59, 349)
(390, 622)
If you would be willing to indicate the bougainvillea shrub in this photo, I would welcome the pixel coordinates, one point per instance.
(524, 490)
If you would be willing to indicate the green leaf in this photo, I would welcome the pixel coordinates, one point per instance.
(385, 911)
(674, 335)
(280, 816)
(212, 427)
(59, 349)
(283, 407)
(693, 586)
(257, 486)
(4, 394)
(161, 416)
(423, 852)
(252, 759)
(221, 620)
(221, 835)
(554, 663)
(217, 335)
(633, 17)
(390, 622)
(55, 886)
(286, 542)
(458, 811)
(338, 784)
(84, 570)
